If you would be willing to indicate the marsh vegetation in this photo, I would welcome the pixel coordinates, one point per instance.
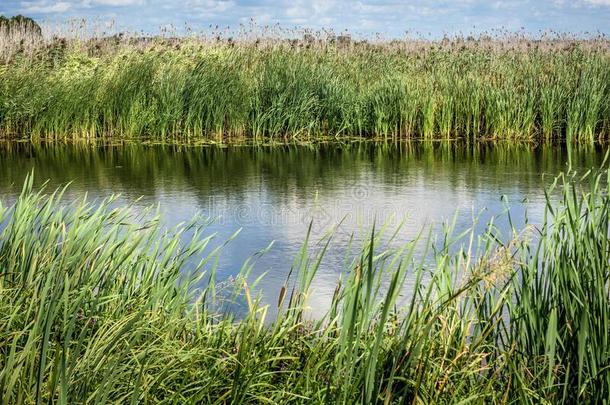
(95, 307)
(103, 299)
(312, 87)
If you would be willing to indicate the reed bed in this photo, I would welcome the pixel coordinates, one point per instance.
(309, 87)
(100, 305)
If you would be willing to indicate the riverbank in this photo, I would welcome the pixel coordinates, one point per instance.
(96, 307)
(264, 90)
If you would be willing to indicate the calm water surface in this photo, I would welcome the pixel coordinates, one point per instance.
(274, 193)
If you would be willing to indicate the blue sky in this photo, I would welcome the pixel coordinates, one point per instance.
(391, 18)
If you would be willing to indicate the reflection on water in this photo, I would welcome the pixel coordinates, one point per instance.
(275, 192)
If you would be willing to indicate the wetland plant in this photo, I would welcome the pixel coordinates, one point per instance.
(98, 304)
(276, 87)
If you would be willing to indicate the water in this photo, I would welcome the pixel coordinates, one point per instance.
(275, 193)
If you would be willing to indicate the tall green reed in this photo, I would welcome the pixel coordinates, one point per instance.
(193, 89)
(100, 304)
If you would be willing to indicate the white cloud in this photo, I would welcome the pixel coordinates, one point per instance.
(210, 5)
(45, 7)
(119, 2)
(50, 6)
(598, 2)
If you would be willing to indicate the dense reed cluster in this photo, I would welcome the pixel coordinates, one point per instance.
(118, 87)
(100, 305)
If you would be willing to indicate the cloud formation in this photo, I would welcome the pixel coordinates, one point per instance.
(45, 7)
(598, 2)
(119, 2)
(389, 17)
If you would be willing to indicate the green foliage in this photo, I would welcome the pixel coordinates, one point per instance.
(20, 22)
(193, 89)
(99, 305)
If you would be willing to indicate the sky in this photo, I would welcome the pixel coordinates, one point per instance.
(389, 18)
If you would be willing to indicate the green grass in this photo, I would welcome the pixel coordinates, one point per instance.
(200, 89)
(98, 305)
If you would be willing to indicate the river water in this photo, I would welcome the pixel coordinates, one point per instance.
(276, 193)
